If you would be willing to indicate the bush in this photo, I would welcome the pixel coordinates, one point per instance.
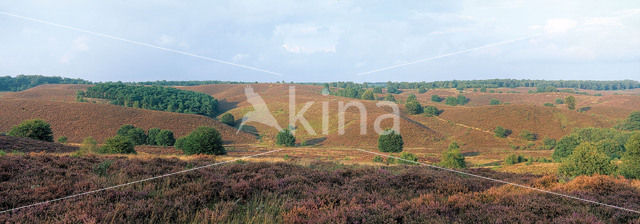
(630, 167)
(390, 141)
(571, 102)
(462, 100)
(118, 145)
(422, 90)
(529, 136)
(368, 95)
(501, 132)
(451, 101)
(549, 105)
(165, 138)
(632, 122)
(565, 147)
(377, 89)
(378, 159)
(136, 135)
(102, 168)
(285, 138)
(586, 160)
(436, 98)
(452, 158)
(412, 98)
(611, 148)
(413, 107)
(35, 129)
(152, 135)
(407, 158)
(89, 145)
(430, 111)
(63, 139)
(228, 119)
(513, 159)
(559, 101)
(549, 143)
(203, 140)
(494, 102)
(389, 98)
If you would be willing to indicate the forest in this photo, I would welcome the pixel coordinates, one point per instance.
(153, 98)
(500, 83)
(22, 82)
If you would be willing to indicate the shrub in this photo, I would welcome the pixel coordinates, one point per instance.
(63, 139)
(228, 119)
(549, 105)
(571, 102)
(89, 145)
(368, 95)
(102, 168)
(436, 98)
(451, 101)
(494, 102)
(559, 101)
(501, 132)
(412, 98)
(118, 145)
(203, 140)
(413, 107)
(35, 129)
(430, 111)
(549, 143)
(630, 167)
(285, 138)
(584, 109)
(586, 160)
(389, 98)
(513, 159)
(483, 89)
(390, 141)
(136, 135)
(378, 159)
(462, 100)
(152, 135)
(632, 122)
(165, 138)
(452, 158)
(422, 90)
(611, 148)
(529, 136)
(407, 158)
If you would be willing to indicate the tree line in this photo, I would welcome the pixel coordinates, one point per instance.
(22, 82)
(153, 98)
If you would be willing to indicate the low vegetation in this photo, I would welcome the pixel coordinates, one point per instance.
(203, 140)
(35, 129)
(285, 138)
(118, 145)
(452, 158)
(501, 132)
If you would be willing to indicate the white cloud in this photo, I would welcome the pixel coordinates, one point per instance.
(559, 25)
(307, 38)
(80, 44)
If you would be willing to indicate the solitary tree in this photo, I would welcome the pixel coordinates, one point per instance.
(285, 138)
(390, 141)
(228, 119)
(452, 158)
(571, 102)
(35, 129)
(413, 107)
(203, 140)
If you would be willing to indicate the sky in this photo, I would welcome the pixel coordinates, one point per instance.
(321, 41)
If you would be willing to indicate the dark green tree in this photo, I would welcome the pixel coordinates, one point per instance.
(165, 138)
(390, 141)
(136, 135)
(571, 102)
(35, 129)
(118, 145)
(203, 140)
(285, 138)
(413, 107)
(152, 135)
(565, 147)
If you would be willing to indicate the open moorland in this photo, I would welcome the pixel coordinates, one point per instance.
(324, 176)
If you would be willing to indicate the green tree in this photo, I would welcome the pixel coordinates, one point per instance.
(494, 102)
(285, 138)
(152, 135)
(89, 144)
(559, 101)
(413, 107)
(368, 95)
(390, 141)
(630, 167)
(389, 98)
(228, 119)
(483, 89)
(571, 102)
(452, 158)
(35, 129)
(565, 147)
(136, 135)
(586, 160)
(436, 98)
(412, 98)
(430, 111)
(501, 132)
(203, 140)
(549, 143)
(462, 100)
(529, 136)
(118, 145)
(451, 101)
(422, 90)
(165, 138)
(611, 148)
